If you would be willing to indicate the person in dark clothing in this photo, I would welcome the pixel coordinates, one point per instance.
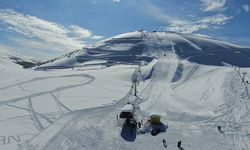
(139, 124)
(164, 143)
(179, 144)
(219, 128)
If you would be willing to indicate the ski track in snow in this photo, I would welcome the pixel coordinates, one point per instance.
(38, 118)
(36, 121)
(36, 113)
(234, 113)
(14, 100)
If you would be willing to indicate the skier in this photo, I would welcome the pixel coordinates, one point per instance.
(164, 143)
(139, 124)
(219, 128)
(179, 144)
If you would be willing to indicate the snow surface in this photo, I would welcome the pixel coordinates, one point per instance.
(54, 107)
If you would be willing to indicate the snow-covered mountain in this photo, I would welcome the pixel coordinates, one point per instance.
(132, 48)
(188, 80)
(10, 56)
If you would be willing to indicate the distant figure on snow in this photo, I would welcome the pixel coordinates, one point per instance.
(164, 143)
(219, 128)
(179, 144)
(139, 124)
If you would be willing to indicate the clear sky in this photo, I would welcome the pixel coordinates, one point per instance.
(49, 28)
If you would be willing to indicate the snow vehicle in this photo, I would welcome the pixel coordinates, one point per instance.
(126, 115)
(127, 112)
(155, 131)
(131, 123)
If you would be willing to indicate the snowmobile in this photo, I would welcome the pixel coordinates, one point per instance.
(127, 112)
(132, 124)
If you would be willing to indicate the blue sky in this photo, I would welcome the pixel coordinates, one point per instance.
(49, 28)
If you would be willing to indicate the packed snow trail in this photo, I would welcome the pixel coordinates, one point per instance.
(187, 77)
(159, 96)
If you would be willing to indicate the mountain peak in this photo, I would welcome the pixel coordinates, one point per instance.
(142, 46)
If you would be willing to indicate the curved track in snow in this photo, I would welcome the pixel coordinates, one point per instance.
(14, 100)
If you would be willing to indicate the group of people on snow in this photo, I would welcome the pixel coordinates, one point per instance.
(178, 144)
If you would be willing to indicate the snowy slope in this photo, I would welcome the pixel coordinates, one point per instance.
(33, 100)
(131, 48)
(76, 108)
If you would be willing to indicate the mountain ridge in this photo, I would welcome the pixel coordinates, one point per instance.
(136, 47)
